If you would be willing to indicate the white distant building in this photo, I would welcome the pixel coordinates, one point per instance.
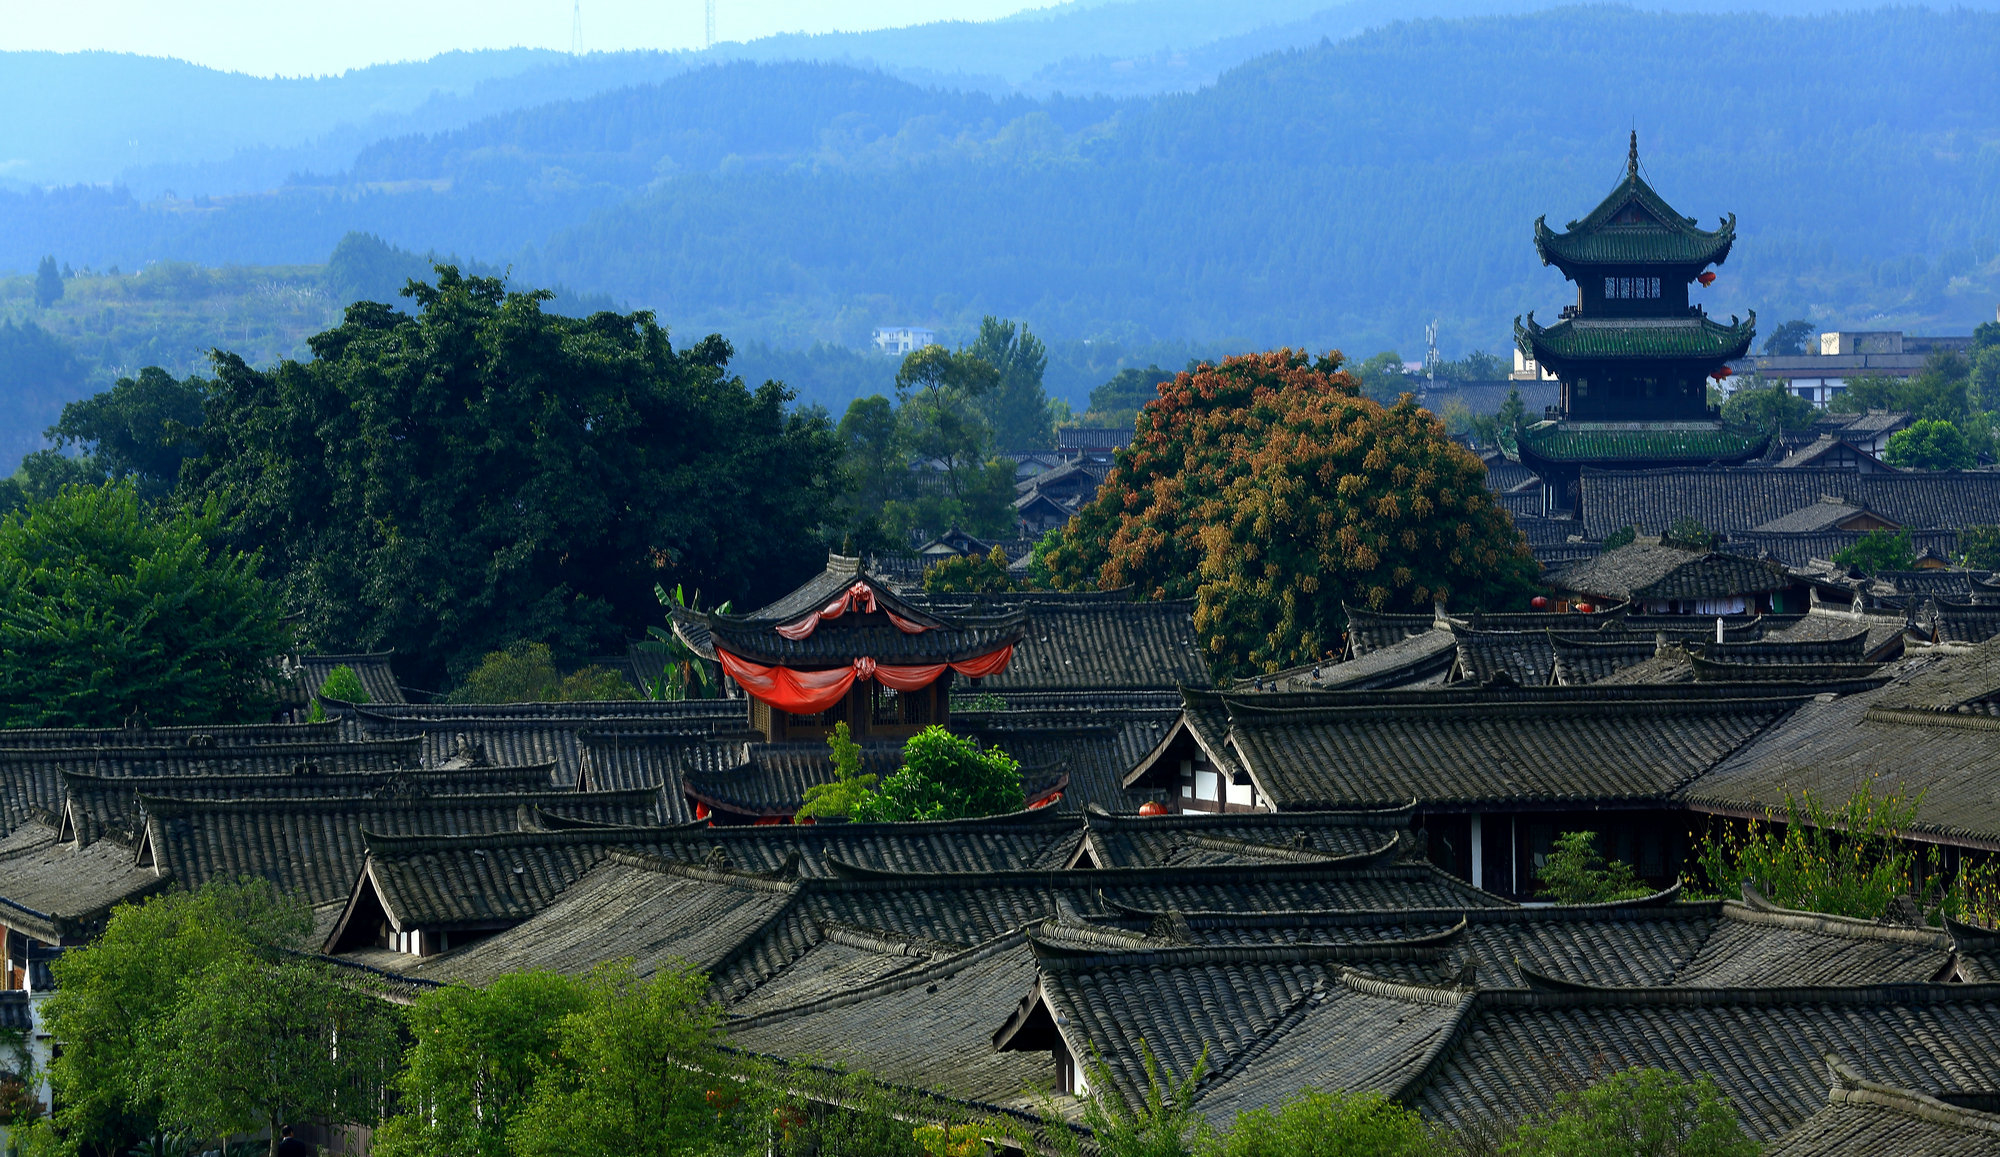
(897, 340)
(1820, 374)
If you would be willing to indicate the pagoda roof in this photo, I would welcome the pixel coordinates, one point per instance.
(1633, 226)
(1692, 443)
(1695, 339)
(858, 614)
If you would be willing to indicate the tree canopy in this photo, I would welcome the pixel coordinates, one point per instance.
(1929, 444)
(1268, 490)
(1769, 407)
(108, 607)
(1878, 551)
(945, 777)
(142, 428)
(484, 472)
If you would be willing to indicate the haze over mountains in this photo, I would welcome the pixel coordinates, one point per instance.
(1269, 172)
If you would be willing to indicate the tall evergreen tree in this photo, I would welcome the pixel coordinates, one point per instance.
(48, 283)
(1017, 407)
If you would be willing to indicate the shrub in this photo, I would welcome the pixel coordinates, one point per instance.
(1929, 444)
(850, 784)
(1576, 873)
(1878, 551)
(1980, 547)
(526, 673)
(344, 685)
(1623, 536)
(945, 777)
(1319, 1124)
(1848, 860)
(970, 574)
(1640, 1112)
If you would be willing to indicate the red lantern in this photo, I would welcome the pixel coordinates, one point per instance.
(1724, 372)
(1585, 609)
(1706, 279)
(1152, 807)
(1539, 602)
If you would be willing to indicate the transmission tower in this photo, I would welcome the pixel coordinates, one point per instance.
(1431, 358)
(709, 12)
(576, 28)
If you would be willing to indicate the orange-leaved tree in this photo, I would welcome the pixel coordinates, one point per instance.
(1270, 491)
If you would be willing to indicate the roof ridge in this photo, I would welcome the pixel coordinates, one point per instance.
(1094, 815)
(1059, 957)
(386, 844)
(897, 983)
(165, 804)
(731, 877)
(1851, 1088)
(1846, 927)
(1916, 992)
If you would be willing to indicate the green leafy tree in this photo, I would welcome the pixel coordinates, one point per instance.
(1624, 536)
(1980, 546)
(640, 1071)
(1322, 1124)
(983, 574)
(108, 607)
(1878, 551)
(256, 1043)
(1017, 408)
(142, 428)
(1269, 491)
(1639, 1112)
(945, 777)
(485, 471)
(1929, 444)
(1984, 366)
(850, 784)
(1118, 401)
(1477, 366)
(1788, 340)
(1383, 379)
(1943, 391)
(948, 439)
(48, 283)
(1846, 860)
(1770, 408)
(878, 467)
(116, 999)
(527, 673)
(1576, 873)
(473, 1061)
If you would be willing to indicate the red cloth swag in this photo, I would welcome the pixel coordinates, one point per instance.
(810, 692)
(859, 595)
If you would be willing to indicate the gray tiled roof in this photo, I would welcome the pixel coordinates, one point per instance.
(60, 891)
(1965, 622)
(652, 911)
(1581, 659)
(1523, 657)
(1798, 549)
(112, 800)
(1733, 499)
(1417, 660)
(1096, 747)
(1925, 732)
(929, 1027)
(1531, 745)
(1517, 1049)
(1754, 947)
(1091, 641)
(1865, 1118)
(1372, 630)
(225, 735)
(377, 678)
(1663, 572)
(314, 848)
(1782, 648)
(1825, 514)
(1132, 841)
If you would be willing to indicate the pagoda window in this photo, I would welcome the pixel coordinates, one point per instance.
(1631, 288)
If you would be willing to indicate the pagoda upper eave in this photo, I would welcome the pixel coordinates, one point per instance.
(1696, 342)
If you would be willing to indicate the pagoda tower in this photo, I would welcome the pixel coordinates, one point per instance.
(1633, 353)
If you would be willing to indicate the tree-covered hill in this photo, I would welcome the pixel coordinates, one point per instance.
(1338, 195)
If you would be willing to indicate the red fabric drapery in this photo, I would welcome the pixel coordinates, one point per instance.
(810, 692)
(860, 596)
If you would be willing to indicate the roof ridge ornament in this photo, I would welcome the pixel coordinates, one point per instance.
(1632, 158)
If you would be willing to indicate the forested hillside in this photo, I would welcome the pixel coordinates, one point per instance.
(1339, 195)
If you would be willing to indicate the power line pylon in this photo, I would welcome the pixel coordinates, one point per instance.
(709, 13)
(576, 28)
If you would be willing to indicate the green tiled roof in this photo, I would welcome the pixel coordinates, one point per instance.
(1633, 226)
(1562, 442)
(1694, 339)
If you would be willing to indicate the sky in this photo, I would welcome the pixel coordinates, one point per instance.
(317, 37)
